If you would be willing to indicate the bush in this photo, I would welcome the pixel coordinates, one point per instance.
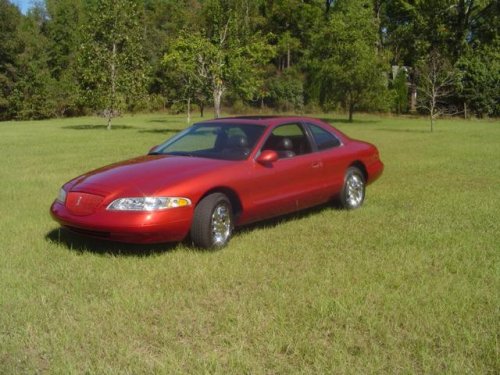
(286, 91)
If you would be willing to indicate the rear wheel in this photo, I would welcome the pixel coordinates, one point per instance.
(353, 192)
(212, 222)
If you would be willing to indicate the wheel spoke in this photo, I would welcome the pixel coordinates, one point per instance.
(221, 224)
(354, 190)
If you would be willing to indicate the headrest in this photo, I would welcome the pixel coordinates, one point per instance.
(237, 141)
(285, 144)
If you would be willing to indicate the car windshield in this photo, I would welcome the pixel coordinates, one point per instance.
(214, 141)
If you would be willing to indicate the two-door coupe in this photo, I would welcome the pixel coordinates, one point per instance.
(216, 175)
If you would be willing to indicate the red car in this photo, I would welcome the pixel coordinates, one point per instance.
(216, 175)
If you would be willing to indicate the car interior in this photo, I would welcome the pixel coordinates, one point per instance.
(288, 146)
(236, 145)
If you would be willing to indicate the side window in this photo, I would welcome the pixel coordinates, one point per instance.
(288, 130)
(288, 141)
(323, 138)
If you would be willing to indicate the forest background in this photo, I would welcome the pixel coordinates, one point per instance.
(65, 58)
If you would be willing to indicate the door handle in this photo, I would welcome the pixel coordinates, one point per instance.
(317, 164)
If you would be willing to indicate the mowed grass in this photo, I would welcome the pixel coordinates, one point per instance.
(407, 284)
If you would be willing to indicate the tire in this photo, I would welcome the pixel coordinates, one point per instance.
(353, 191)
(212, 222)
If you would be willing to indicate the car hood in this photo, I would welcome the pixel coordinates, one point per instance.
(144, 175)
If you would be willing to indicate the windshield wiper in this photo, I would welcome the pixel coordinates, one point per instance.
(178, 153)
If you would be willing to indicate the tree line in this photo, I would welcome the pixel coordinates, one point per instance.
(75, 57)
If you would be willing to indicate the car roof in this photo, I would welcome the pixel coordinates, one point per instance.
(259, 120)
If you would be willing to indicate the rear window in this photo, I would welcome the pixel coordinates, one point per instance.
(323, 138)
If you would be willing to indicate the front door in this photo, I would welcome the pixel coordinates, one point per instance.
(295, 181)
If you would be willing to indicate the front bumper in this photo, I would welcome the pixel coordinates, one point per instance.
(170, 225)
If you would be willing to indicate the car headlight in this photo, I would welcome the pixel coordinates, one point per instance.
(61, 197)
(148, 203)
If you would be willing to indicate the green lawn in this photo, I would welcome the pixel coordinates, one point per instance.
(407, 284)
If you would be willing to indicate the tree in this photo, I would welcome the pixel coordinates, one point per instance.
(182, 64)
(111, 62)
(67, 57)
(470, 21)
(414, 28)
(32, 96)
(10, 46)
(235, 55)
(286, 90)
(225, 58)
(400, 89)
(163, 19)
(62, 31)
(293, 22)
(286, 44)
(346, 67)
(479, 80)
(436, 80)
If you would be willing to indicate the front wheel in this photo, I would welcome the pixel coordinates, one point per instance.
(212, 222)
(353, 191)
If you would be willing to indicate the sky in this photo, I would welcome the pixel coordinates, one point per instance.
(24, 5)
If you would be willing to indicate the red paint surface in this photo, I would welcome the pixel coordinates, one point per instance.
(263, 189)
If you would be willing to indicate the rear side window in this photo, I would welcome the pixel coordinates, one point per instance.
(323, 138)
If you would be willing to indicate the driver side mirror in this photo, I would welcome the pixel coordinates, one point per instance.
(267, 157)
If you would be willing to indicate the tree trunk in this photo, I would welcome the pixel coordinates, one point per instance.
(288, 57)
(433, 107)
(202, 108)
(351, 111)
(189, 110)
(378, 8)
(217, 101)
(111, 110)
(413, 98)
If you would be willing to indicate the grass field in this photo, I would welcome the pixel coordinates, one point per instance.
(407, 284)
